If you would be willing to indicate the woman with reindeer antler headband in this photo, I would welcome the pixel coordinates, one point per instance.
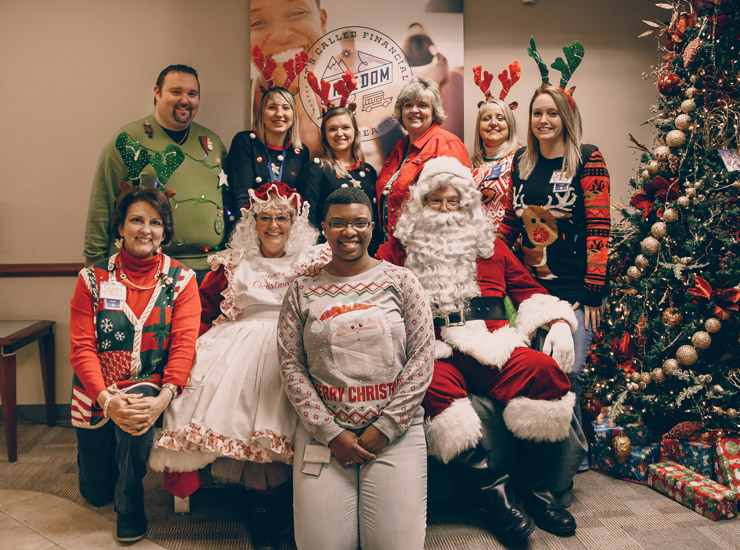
(496, 143)
(560, 205)
(272, 150)
(342, 163)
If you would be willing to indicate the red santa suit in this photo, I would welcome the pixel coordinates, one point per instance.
(490, 357)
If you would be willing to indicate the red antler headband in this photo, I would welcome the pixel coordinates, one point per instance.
(344, 87)
(508, 79)
(267, 65)
(275, 189)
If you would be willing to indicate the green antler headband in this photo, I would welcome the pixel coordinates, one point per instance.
(573, 57)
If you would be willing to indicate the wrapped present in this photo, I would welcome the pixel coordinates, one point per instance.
(693, 490)
(727, 462)
(635, 466)
(638, 433)
(695, 454)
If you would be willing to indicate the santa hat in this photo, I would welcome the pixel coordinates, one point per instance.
(446, 172)
(275, 189)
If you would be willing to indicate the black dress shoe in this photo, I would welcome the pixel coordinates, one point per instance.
(130, 527)
(549, 514)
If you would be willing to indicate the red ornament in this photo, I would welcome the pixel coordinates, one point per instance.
(668, 84)
(590, 407)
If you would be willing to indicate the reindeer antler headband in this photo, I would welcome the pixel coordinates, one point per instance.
(344, 87)
(508, 79)
(267, 65)
(573, 57)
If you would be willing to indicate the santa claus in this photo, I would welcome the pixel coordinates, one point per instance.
(444, 236)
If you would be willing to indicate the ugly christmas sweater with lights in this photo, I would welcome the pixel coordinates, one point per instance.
(200, 194)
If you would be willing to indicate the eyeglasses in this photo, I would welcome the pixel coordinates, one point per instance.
(359, 225)
(436, 204)
(280, 220)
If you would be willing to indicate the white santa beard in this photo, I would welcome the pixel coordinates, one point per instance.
(442, 252)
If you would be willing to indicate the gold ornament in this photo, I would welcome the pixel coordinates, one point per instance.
(713, 325)
(662, 152)
(650, 245)
(645, 377)
(690, 92)
(701, 340)
(688, 105)
(653, 167)
(641, 261)
(687, 355)
(659, 230)
(671, 366)
(704, 378)
(675, 138)
(670, 215)
(683, 121)
(622, 448)
(633, 273)
(732, 413)
(684, 202)
(636, 377)
(672, 317)
(645, 175)
(690, 192)
(658, 375)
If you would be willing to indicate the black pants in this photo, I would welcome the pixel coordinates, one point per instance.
(112, 463)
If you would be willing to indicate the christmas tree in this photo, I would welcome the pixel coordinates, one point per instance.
(668, 351)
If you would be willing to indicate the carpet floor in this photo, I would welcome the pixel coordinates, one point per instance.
(611, 514)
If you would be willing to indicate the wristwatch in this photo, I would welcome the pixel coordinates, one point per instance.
(172, 387)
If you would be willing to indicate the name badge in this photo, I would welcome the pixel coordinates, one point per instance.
(110, 290)
(559, 178)
(113, 305)
(494, 174)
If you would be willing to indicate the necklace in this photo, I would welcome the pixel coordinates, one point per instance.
(125, 279)
(185, 137)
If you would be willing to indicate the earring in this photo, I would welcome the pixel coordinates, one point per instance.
(118, 243)
(159, 250)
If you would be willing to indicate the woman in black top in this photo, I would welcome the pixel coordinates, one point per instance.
(341, 164)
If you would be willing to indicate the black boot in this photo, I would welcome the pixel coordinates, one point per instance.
(531, 476)
(262, 521)
(507, 519)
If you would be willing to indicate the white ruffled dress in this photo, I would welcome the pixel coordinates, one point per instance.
(233, 404)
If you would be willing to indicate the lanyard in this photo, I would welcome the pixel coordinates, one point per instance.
(269, 163)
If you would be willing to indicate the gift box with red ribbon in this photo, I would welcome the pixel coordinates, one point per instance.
(693, 490)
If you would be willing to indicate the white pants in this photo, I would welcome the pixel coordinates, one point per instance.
(382, 506)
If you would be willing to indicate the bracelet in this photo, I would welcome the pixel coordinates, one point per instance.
(172, 387)
(105, 405)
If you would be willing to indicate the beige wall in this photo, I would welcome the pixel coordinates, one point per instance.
(74, 71)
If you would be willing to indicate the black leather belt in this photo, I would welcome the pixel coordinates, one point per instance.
(485, 308)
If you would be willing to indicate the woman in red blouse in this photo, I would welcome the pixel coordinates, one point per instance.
(419, 110)
(134, 322)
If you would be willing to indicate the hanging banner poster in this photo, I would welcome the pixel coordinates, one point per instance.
(384, 43)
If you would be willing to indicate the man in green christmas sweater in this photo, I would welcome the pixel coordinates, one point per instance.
(170, 151)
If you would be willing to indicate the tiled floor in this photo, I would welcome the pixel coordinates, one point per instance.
(37, 521)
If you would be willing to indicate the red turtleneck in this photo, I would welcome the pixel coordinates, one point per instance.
(185, 320)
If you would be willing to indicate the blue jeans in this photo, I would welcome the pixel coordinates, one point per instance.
(382, 506)
(112, 463)
(582, 339)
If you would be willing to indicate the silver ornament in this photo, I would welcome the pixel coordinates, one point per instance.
(662, 152)
(684, 202)
(690, 92)
(688, 105)
(653, 167)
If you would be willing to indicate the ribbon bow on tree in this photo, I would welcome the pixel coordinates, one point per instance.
(723, 299)
(660, 189)
(624, 351)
